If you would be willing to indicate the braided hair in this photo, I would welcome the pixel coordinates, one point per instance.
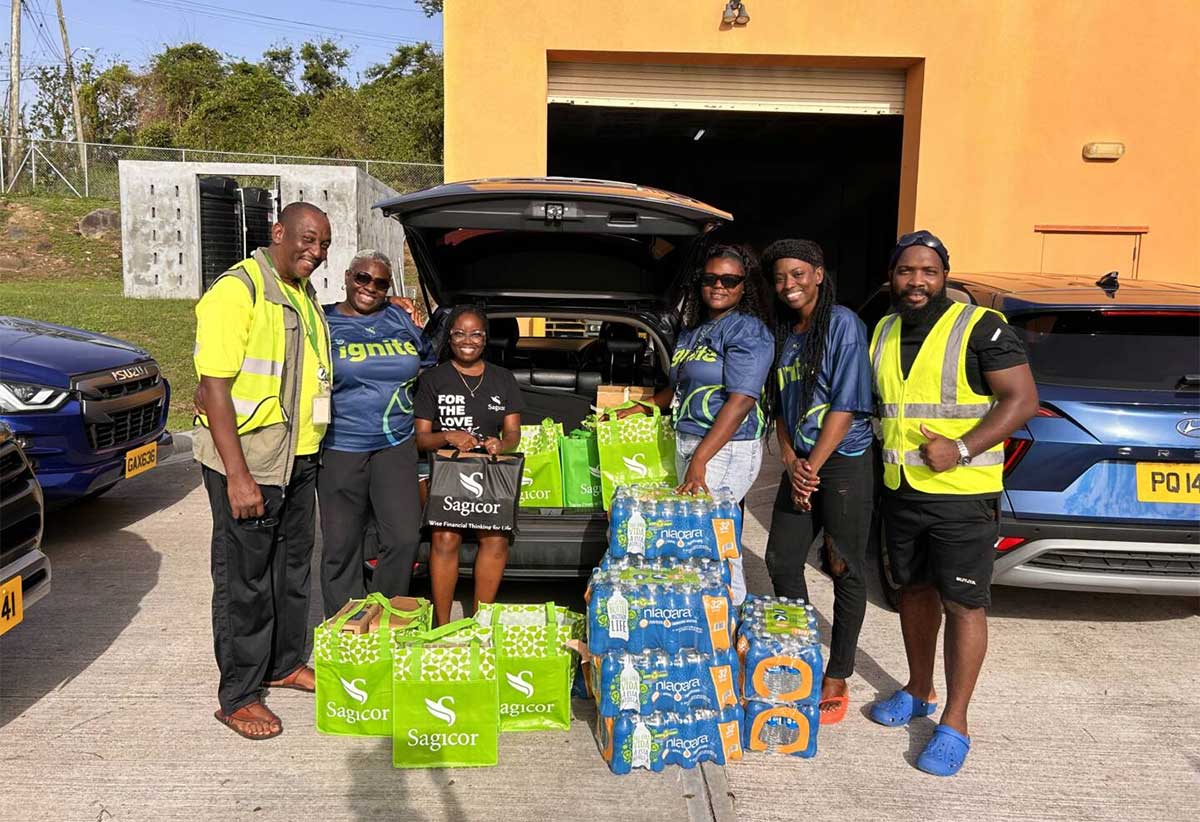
(815, 338)
(755, 302)
(442, 341)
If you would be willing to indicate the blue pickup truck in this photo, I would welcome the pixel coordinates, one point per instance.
(88, 410)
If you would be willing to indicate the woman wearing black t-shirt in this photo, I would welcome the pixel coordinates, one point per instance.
(466, 403)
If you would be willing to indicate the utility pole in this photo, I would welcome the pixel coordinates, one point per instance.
(62, 26)
(14, 87)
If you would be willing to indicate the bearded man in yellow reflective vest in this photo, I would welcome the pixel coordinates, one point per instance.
(953, 383)
(262, 355)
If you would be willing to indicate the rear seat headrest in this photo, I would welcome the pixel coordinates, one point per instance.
(503, 332)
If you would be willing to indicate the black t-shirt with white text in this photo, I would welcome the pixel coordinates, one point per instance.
(477, 405)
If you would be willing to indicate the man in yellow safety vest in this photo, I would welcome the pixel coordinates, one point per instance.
(262, 355)
(953, 383)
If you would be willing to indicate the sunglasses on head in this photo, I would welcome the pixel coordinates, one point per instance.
(364, 279)
(726, 280)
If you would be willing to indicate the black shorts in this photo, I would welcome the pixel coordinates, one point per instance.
(951, 543)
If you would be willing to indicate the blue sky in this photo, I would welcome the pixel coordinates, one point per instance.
(132, 30)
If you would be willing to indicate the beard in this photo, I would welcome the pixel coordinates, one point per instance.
(933, 307)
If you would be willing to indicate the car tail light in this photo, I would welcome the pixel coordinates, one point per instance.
(1046, 411)
(1008, 543)
(1014, 450)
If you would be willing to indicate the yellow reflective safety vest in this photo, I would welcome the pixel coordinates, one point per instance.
(266, 391)
(938, 395)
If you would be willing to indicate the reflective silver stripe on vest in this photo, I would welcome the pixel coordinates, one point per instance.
(245, 407)
(936, 411)
(877, 356)
(953, 354)
(892, 457)
(265, 368)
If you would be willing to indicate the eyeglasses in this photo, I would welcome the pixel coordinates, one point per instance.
(473, 336)
(364, 279)
(726, 280)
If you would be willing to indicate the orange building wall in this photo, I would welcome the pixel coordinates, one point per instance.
(1009, 92)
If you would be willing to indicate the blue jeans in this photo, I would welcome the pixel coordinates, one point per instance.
(734, 467)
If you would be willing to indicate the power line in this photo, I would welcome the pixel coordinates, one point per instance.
(40, 31)
(240, 16)
(375, 6)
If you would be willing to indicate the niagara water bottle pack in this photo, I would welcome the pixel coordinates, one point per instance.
(659, 739)
(658, 681)
(658, 607)
(654, 522)
(781, 665)
(536, 663)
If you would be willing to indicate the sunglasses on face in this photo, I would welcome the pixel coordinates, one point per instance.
(364, 279)
(473, 336)
(730, 281)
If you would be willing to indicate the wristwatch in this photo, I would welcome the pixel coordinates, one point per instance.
(964, 455)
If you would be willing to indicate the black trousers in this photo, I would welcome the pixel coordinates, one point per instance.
(350, 486)
(841, 507)
(261, 578)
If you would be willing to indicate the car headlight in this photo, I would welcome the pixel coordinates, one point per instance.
(16, 397)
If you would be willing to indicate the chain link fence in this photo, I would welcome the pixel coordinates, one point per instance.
(36, 166)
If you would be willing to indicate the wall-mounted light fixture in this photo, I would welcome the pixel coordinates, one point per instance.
(1103, 151)
(735, 14)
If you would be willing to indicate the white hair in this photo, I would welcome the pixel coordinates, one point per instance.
(370, 255)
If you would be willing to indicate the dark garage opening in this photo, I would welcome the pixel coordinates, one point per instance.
(825, 177)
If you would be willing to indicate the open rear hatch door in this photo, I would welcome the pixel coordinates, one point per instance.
(552, 240)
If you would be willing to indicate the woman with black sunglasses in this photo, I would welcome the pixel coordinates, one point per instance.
(720, 364)
(369, 459)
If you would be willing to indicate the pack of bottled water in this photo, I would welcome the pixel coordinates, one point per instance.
(668, 607)
(654, 522)
(654, 741)
(705, 567)
(779, 648)
(780, 728)
(657, 681)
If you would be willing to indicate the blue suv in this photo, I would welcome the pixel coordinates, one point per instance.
(87, 409)
(1102, 487)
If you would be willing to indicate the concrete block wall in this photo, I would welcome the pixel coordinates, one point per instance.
(160, 221)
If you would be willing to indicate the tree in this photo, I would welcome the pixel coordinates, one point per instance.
(178, 79)
(322, 65)
(405, 62)
(403, 103)
(50, 113)
(249, 109)
(280, 60)
(110, 103)
(431, 7)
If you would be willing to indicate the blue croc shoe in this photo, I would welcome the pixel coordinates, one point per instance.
(945, 753)
(900, 708)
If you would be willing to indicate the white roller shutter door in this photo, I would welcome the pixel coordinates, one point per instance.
(728, 88)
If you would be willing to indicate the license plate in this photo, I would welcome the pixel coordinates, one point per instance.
(12, 611)
(141, 459)
(1168, 482)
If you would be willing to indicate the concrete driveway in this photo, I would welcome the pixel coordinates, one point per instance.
(1087, 709)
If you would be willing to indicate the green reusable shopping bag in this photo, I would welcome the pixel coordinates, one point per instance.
(541, 483)
(354, 671)
(580, 470)
(535, 667)
(445, 708)
(636, 450)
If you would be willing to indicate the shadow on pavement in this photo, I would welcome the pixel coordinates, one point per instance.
(1035, 603)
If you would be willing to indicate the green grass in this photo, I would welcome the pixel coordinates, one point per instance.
(71, 280)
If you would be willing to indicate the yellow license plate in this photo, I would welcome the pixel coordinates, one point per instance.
(141, 459)
(1168, 482)
(12, 611)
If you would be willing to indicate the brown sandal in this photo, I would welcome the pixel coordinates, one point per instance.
(240, 720)
(291, 681)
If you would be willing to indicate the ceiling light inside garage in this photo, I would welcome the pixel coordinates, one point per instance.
(699, 133)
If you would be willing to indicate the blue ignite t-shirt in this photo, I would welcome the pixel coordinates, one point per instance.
(376, 359)
(843, 384)
(729, 355)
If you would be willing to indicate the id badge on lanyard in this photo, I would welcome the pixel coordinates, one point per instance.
(322, 412)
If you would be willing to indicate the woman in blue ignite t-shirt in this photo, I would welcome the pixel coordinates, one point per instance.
(718, 369)
(369, 457)
(823, 381)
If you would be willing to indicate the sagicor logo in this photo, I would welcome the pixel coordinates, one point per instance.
(526, 481)
(439, 710)
(595, 472)
(636, 464)
(518, 682)
(471, 483)
(354, 690)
